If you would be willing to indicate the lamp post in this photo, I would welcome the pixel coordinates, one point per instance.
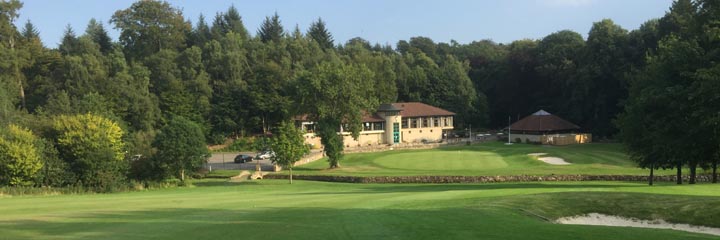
(508, 143)
(471, 136)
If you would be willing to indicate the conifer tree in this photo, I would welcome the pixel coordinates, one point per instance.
(320, 34)
(271, 29)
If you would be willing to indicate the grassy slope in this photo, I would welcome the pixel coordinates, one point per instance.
(316, 210)
(492, 158)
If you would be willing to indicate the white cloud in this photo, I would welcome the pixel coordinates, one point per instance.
(566, 3)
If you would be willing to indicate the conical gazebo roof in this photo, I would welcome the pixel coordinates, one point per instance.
(542, 121)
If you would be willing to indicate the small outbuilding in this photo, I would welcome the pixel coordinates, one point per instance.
(545, 128)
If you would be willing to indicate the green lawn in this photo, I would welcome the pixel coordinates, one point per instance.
(273, 209)
(493, 158)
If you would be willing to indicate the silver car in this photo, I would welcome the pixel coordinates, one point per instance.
(265, 155)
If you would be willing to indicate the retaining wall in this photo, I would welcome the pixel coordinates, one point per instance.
(485, 179)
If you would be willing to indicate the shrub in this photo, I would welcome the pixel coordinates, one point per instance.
(261, 144)
(19, 156)
(518, 140)
(242, 144)
(55, 172)
(92, 147)
(216, 138)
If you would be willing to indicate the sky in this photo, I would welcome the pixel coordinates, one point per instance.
(378, 21)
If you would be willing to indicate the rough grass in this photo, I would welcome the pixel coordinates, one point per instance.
(273, 209)
(491, 158)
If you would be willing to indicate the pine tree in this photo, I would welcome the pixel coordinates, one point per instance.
(99, 35)
(271, 29)
(320, 34)
(201, 34)
(29, 31)
(234, 22)
(69, 41)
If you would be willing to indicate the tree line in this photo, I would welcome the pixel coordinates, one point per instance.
(217, 76)
(672, 114)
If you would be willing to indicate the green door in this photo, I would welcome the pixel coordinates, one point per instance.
(396, 132)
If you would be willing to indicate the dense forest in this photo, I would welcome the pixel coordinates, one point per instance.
(230, 82)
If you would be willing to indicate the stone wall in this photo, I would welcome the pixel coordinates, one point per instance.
(314, 155)
(485, 179)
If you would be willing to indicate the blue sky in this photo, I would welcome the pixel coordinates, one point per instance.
(379, 21)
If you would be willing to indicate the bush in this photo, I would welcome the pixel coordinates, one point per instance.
(19, 156)
(518, 140)
(55, 172)
(143, 168)
(242, 144)
(261, 144)
(216, 138)
(92, 146)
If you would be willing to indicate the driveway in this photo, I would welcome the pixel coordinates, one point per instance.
(224, 161)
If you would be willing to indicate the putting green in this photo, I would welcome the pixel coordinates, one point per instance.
(441, 160)
(485, 159)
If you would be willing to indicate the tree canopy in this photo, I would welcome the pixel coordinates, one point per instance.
(180, 148)
(233, 83)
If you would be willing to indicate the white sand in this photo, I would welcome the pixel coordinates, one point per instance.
(598, 219)
(548, 160)
(554, 160)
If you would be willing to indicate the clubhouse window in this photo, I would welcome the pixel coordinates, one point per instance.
(405, 123)
(413, 123)
(424, 122)
(367, 126)
(378, 126)
(436, 122)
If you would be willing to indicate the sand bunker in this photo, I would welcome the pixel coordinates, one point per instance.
(549, 160)
(554, 160)
(598, 219)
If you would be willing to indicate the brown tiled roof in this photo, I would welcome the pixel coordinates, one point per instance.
(409, 109)
(372, 118)
(542, 121)
(417, 109)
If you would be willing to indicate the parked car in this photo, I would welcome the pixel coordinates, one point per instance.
(265, 155)
(242, 158)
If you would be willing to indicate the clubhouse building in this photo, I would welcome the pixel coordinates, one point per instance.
(395, 123)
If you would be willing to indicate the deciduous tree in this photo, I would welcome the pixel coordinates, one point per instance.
(180, 148)
(288, 144)
(334, 94)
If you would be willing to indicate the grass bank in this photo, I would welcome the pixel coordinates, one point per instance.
(272, 209)
(486, 159)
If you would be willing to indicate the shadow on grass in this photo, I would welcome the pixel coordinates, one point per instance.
(385, 188)
(315, 223)
(223, 183)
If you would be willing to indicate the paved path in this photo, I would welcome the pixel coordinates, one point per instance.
(224, 161)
